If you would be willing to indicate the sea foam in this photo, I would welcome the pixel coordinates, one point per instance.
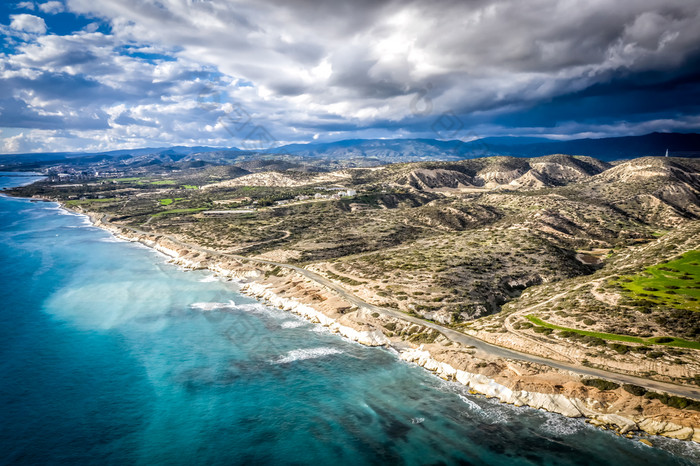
(292, 324)
(307, 353)
(208, 279)
(213, 306)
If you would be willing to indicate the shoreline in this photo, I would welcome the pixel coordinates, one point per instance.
(519, 386)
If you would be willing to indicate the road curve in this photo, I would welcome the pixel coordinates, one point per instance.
(459, 337)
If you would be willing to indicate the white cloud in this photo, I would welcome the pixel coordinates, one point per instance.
(52, 7)
(14, 144)
(318, 68)
(25, 5)
(28, 23)
(371, 59)
(69, 91)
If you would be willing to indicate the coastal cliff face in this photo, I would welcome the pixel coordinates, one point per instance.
(373, 337)
(514, 382)
(612, 410)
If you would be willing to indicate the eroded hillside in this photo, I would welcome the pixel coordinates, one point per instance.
(453, 241)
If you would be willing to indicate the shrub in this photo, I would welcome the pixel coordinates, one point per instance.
(593, 341)
(622, 349)
(600, 384)
(674, 401)
(420, 337)
(663, 340)
(635, 390)
(276, 272)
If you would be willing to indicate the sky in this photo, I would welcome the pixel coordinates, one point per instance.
(96, 75)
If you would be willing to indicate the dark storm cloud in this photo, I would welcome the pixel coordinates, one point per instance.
(630, 97)
(335, 69)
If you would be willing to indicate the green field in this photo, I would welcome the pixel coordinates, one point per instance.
(165, 202)
(677, 342)
(124, 180)
(141, 180)
(674, 284)
(90, 201)
(159, 182)
(179, 211)
(189, 186)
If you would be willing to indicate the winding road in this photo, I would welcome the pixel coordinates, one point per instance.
(455, 336)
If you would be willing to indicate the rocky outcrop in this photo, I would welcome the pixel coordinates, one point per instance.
(590, 408)
(264, 293)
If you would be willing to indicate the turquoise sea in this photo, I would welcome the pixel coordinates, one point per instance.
(110, 355)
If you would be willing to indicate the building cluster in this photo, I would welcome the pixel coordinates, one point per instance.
(68, 174)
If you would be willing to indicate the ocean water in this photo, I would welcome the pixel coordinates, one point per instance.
(109, 355)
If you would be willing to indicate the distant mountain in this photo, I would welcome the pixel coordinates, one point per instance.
(412, 150)
(608, 149)
(512, 140)
(385, 150)
(368, 152)
(30, 160)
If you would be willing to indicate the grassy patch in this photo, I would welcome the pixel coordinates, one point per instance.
(665, 341)
(90, 201)
(678, 342)
(169, 201)
(141, 180)
(604, 336)
(179, 211)
(190, 186)
(160, 182)
(124, 180)
(674, 284)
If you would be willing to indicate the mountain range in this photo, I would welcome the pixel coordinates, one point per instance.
(364, 152)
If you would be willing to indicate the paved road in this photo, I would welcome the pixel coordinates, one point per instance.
(459, 337)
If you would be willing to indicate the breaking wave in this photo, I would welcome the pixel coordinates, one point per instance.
(559, 425)
(308, 353)
(212, 306)
(208, 279)
(292, 324)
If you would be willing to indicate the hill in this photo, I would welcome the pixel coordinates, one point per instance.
(562, 255)
(366, 152)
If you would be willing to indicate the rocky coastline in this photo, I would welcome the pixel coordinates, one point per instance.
(509, 381)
